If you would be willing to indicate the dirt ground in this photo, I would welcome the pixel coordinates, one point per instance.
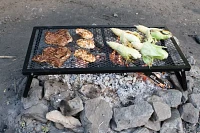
(17, 18)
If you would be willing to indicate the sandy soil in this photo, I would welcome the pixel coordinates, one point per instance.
(17, 18)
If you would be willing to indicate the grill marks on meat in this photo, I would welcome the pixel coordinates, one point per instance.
(86, 34)
(54, 56)
(86, 43)
(60, 37)
(84, 55)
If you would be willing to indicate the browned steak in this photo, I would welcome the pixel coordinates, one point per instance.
(54, 56)
(60, 37)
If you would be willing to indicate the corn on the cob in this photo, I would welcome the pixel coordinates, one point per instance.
(148, 49)
(129, 37)
(158, 34)
(126, 52)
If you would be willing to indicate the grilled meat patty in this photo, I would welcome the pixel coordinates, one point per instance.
(84, 33)
(54, 56)
(84, 55)
(60, 37)
(86, 43)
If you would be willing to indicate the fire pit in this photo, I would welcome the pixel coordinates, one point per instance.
(175, 62)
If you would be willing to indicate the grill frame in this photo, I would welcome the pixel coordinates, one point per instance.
(47, 71)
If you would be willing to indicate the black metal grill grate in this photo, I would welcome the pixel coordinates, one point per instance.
(176, 60)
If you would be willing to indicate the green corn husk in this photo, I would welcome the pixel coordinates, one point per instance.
(129, 37)
(161, 35)
(151, 51)
(156, 33)
(126, 52)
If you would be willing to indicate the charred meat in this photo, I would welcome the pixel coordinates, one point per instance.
(54, 56)
(60, 37)
(84, 55)
(84, 33)
(86, 43)
(116, 58)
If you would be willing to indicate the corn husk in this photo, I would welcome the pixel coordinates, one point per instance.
(135, 44)
(151, 51)
(161, 35)
(128, 36)
(126, 52)
(156, 33)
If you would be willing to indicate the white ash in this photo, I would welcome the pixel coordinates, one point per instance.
(126, 85)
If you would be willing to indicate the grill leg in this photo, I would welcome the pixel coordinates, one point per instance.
(28, 84)
(182, 79)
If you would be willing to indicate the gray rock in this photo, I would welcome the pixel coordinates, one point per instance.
(71, 107)
(171, 97)
(52, 87)
(190, 83)
(132, 116)
(173, 124)
(65, 108)
(35, 82)
(162, 111)
(154, 98)
(35, 96)
(55, 99)
(59, 126)
(96, 116)
(196, 90)
(141, 130)
(66, 121)
(90, 90)
(184, 96)
(190, 128)
(37, 112)
(53, 129)
(195, 100)
(76, 105)
(189, 113)
(130, 130)
(153, 125)
(27, 120)
(78, 130)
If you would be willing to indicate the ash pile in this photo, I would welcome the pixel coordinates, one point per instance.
(111, 103)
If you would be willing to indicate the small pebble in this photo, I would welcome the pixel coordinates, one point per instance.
(115, 15)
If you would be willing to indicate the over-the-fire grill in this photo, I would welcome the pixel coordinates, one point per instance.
(175, 61)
